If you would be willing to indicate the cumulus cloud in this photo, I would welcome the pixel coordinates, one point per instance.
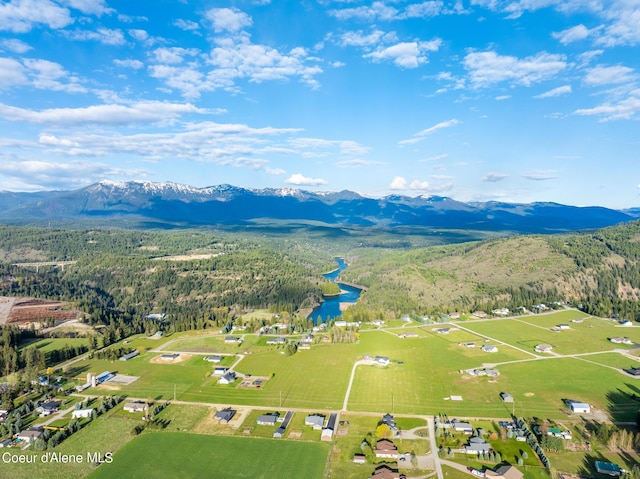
(228, 19)
(623, 109)
(299, 180)
(127, 63)
(12, 73)
(417, 137)
(187, 25)
(398, 183)
(579, 32)
(561, 90)
(601, 75)
(15, 45)
(90, 7)
(173, 55)
(494, 177)
(489, 68)
(21, 16)
(405, 54)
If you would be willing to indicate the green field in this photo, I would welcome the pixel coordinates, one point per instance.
(176, 455)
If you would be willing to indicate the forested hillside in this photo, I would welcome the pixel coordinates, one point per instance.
(200, 278)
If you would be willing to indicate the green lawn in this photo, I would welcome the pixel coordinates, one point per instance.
(176, 455)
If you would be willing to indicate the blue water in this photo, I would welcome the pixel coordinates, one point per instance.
(330, 308)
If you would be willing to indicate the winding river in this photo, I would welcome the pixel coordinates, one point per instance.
(330, 307)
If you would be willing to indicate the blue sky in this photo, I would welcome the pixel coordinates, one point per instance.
(508, 100)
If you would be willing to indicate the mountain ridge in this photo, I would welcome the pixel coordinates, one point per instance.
(227, 204)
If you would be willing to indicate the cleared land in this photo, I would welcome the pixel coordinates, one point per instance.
(175, 455)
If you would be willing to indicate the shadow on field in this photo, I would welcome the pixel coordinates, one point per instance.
(623, 405)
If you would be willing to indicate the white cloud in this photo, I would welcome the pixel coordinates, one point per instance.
(21, 16)
(46, 75)
(598, 76)
(503, 97)
(127, 63)
(360, 39)
(90, 7)
(15, 45)
(138, 34)
(300, 180)
(435, 158)
(187, 25)
(398, 183)
(417, 137)
(494, 177)
(12, 73)
(425, 9)
(376, 11)
(274, 171)
(579, 32)
(228, 19)
(143, 112)
(561, 90)
(106, 36)
(488, 68)
(405, 54)
(419, 185)
(624, 109)
(173, 55)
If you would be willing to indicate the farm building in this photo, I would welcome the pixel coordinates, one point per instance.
(6, 443)
(47, 408)
(464, 427)
(225, 415)
(506, 397)
(82, 413)
(387, 449)
(213, 359)
(169, 357)
(562, 326)
(390, 421)
(134, 406)
(277, 341)
(633, 371)
(359, 459)
(489, 348)
(314, 420)
(382, 360)
(327, 432)
(220, 371)
(233, 340)
(608, 468)
(131, 355)
(622, 340)
(268, 419)
(579, 407)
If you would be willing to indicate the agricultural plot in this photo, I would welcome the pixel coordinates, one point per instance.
(527, 332)
(174, 455)
(215, 344)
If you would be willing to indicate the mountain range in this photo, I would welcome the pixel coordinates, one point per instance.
(231, 205)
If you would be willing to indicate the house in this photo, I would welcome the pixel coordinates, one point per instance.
(359, 459)
(469, 345)
(220, 371)
(579, 407)
(489, 348)
(213, 359)
(608, 468)
(47, 408)
(479, 314)
(82, 413)
(501, 312)
(390, 421)
(285, 423)
(131, 355)
(268, 419)
(227, 378)
(29, 436)
(6, 443)
(233, 340)
(622, 340)
(385, 472)
(224, 415)
(277, 341)
(387, 449)
(134, 406)
(626, 323)
(543, 348)
(412, 335)
(316, 421)
(504, 472)
(477, 445)
(442, 330)
(562, 326)
(382, 360)
(327, 432)
(464, 427)
(506, 397)
(279, 432)
(633, 371)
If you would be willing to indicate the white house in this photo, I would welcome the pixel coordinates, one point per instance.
(489, 348)
(227, 378)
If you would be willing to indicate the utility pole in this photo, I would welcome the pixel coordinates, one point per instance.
(174, 392)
